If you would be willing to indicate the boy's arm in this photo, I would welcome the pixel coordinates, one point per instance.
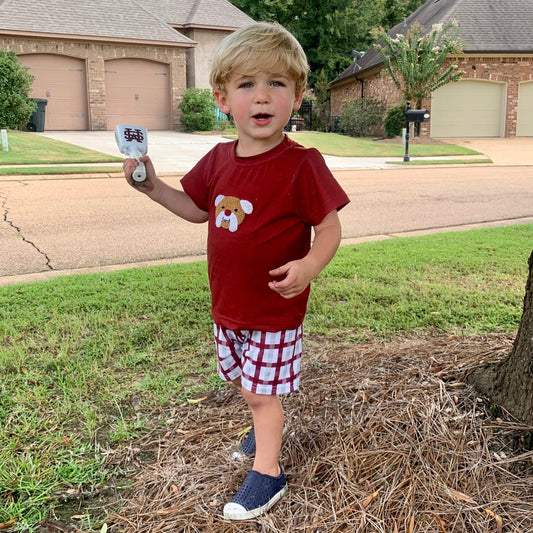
(176, 201)
(298, 274)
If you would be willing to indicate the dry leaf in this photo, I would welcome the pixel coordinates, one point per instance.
(411, 524)
(497, 518)
(79, 516)
(440, 521)
(5, 525)
(197, 400)
(245, 430)
(66, 442)
(366, 502)
(364, 396)
(175, 490)
(461, 496)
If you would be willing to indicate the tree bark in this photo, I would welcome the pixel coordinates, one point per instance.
(509, 383)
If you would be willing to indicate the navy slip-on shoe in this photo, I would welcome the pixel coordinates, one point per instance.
(257, 494)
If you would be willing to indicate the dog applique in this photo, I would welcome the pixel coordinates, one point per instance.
(230, 211)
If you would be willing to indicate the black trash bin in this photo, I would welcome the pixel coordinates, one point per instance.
(36, 121)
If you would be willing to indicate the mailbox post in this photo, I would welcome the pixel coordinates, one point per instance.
(413, 115)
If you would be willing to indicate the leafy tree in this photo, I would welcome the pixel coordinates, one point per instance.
(199, 109)
(396, 10)
(267, 10)
(15, 87)
(415, 61)
(321, 108)
(328, 31)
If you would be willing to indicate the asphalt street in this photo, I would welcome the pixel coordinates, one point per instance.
(53, 226)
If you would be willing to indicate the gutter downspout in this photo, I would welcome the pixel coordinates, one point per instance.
(362, 86)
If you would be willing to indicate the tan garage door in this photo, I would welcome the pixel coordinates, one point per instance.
(468, 108)
(524, 119)
(62, 81)
(137, 92)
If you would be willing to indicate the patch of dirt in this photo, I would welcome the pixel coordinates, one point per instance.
(382, 437)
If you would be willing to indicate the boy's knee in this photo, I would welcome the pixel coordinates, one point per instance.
(257, 400)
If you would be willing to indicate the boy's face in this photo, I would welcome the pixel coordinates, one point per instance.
(261, 105)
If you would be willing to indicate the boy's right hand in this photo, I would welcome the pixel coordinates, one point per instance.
(146, 186)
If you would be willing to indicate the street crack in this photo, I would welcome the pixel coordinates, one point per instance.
(11, 224)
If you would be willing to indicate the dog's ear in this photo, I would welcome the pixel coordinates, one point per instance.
(247, 207)
(219, 199)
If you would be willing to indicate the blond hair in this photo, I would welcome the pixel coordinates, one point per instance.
(259, 48)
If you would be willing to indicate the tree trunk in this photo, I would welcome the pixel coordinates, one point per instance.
(509, 383)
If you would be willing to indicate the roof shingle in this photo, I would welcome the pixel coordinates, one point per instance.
(214, 13)
(144, 20)
(495, 26)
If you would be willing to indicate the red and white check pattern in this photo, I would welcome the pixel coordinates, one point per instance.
(266, 362)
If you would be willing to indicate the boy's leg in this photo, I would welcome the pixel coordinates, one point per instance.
(267, 413)
(265, 484)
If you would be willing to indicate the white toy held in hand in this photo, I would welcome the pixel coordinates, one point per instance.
(132, 141)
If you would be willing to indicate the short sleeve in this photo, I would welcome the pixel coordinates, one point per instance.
(196, 182)
(318, 192)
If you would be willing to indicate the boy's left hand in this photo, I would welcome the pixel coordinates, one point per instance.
(298, 274)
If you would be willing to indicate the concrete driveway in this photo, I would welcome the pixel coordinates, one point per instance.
(59, 226)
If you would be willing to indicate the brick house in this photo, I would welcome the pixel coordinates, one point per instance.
(495, 95)
(102, 63)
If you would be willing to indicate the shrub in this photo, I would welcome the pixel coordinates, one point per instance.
(15, 86)
(362, 117)
(394, 120)
(199, 110)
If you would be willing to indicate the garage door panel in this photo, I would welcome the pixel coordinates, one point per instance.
(524, 122)
(62, 81)
(468, 108)
(137, 92)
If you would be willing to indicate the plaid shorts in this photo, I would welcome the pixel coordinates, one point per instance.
(266, 362)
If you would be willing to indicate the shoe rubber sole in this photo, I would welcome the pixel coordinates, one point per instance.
(234, 511)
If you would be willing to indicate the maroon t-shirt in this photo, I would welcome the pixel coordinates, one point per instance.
(261, 211)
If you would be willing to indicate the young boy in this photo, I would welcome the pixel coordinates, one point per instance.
(260, 195)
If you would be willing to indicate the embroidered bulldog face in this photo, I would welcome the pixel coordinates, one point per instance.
(230, 211)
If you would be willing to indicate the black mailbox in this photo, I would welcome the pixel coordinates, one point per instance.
(417, 115)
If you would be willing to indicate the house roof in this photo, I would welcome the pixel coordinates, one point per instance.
(133, 20)
(211, 13)
(495, 26)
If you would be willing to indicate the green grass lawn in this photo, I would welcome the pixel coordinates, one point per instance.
(89, 362)
(342, 145)
(30, 149)
(47, 171)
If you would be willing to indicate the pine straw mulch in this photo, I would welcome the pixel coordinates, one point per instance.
(381, 437)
